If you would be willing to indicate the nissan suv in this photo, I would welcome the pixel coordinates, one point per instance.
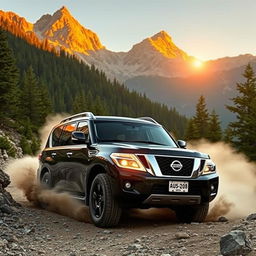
(115, 163)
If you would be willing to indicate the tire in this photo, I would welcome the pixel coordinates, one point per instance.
(46, 183)
(46, 180)
(194, 213)
(104, 209)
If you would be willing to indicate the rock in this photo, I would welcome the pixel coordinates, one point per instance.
(107, 232)
(6, 200)
(239, 227)
(251, 217)
(134, 247)
(235, 243)
(182, 235)
(222, 219)
(6, 209)
(4, 179)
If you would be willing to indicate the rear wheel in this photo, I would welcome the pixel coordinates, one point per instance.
(46, 180)
(192, 213)
(46, 183)
(104, 209)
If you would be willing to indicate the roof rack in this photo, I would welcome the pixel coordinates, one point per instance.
(150, 119)
(83, 114)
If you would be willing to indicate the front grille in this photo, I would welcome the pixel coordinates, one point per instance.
(166, 169)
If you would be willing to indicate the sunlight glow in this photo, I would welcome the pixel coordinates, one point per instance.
(198, 63)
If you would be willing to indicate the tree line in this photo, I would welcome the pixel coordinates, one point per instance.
(68, 80)
(35, 83)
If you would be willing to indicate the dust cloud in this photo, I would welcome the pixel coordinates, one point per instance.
(23, 174)
(237, 189)
(236, 197)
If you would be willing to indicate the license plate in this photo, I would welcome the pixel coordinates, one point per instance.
(178, 186)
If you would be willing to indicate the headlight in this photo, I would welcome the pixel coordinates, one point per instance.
(128, 161)
(209, 167)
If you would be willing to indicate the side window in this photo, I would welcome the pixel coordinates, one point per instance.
(83, 127)
(65, 138)
(56, 136)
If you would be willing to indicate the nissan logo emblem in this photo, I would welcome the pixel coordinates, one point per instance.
(176, 165)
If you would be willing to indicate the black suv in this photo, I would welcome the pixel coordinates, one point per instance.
(113, 163)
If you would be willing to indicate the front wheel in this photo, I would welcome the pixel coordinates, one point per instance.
(192, 213)
(104, 209)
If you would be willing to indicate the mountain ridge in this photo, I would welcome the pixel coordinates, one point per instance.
(157, 55)
(62, 31)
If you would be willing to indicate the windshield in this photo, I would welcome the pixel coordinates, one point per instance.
(116, 131)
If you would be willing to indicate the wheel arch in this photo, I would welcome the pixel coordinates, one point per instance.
(43, 171)
(92, 173)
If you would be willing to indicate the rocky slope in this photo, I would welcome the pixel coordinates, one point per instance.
(9, 144)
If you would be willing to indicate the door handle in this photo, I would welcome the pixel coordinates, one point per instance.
(69, 154)
(53, 154)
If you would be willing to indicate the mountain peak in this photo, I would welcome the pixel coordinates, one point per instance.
(161, 34)
(64, 10)
(63, 30)
(162, 42)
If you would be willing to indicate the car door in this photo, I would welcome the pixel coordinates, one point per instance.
(79, 160)
(52, 154)
(66, 164)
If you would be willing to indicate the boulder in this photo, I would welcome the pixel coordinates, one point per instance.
(251, 217)
(4, 180)
(7, 203)
(235, 243)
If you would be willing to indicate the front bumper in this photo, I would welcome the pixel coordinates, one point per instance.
(150, 191)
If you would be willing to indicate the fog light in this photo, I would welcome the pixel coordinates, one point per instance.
(128, 185)
(212, 188)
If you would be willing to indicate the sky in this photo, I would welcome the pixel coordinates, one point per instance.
(206, 29)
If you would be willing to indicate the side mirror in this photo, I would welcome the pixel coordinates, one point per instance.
(79, 137)
(182, 143)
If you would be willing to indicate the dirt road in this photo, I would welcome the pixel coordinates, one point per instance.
(142, 232)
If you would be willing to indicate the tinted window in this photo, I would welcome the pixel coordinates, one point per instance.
(65, 138)
(56, 136)
(133, 132)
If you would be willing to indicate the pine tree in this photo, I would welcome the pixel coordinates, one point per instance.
(8, 80)
(191, 131)
(244, 106)
(215, 132)
(80, 103)
(30, 98)
(201, 119)
(44, 103)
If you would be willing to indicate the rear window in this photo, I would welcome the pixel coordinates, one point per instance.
(67, 130)
(56, 136)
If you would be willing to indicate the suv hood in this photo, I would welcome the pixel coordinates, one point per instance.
(142, 148)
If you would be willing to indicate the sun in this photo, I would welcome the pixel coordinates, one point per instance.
(198, 63)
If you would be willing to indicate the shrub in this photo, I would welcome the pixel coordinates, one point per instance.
(5, 144)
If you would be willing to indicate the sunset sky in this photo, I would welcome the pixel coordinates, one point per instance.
(207, 29)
